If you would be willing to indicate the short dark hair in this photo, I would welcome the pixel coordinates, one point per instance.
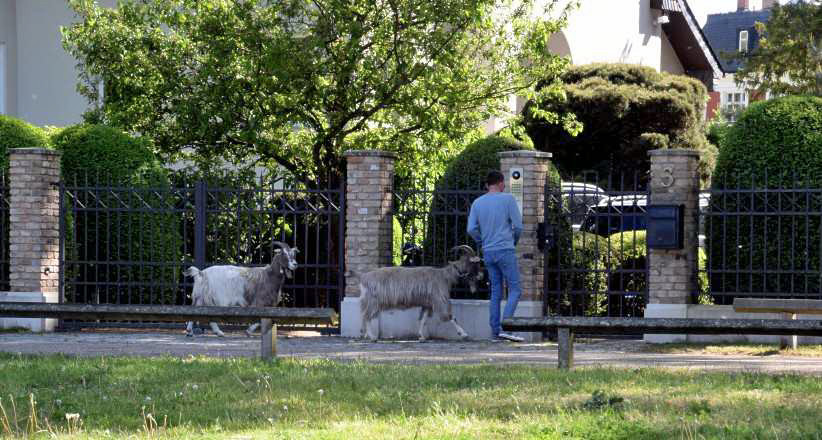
(494, 177)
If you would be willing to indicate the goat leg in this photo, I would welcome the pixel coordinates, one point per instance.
(423, 317)
(462, 334)
(216, 329)
(190, 329)
(251, 329)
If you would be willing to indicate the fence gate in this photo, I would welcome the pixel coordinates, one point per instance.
(130, 244)
(596, 260)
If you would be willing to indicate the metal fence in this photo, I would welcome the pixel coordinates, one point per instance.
(762, 237)
(4, 232)
(434, 220)
(129, 244)
(596, 263)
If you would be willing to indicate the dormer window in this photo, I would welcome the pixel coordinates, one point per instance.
(743, 41)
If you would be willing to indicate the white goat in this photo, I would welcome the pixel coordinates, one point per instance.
(426, 287)
(228, 286)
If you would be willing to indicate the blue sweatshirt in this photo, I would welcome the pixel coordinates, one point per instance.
(495, 222)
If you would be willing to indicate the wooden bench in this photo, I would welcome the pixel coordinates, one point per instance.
(789, 308)
(567, 326)
(269, 317)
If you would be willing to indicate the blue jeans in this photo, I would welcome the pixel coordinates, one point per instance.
(502, 264)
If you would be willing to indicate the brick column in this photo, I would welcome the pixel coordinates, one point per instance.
(672, 273)
(34, 230)
(368, 198)
(535, 165)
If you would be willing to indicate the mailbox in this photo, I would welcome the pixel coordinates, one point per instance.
(665, 226)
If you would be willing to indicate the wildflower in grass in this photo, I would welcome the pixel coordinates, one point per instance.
(321, 391)
(195, 386)
(58, 402)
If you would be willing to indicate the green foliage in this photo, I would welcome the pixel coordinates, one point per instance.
(94, 155)
(467, 171)
(599, 400)
(577, 287)
(625, 110)
(16, 133)
(717, 130)
(788, 59)
(298, 83)
(775, 144)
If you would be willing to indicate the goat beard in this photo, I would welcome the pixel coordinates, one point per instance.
(289, 274)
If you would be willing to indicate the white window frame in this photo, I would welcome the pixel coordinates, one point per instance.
(3, 85)
(743, 37)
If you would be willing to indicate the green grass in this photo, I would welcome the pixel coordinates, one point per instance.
(117, 397)
(734, 349)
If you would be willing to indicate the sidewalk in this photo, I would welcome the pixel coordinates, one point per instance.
(612, 353)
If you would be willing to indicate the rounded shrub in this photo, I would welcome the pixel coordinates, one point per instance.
(774, 145)
(16, 133)
(127, 247)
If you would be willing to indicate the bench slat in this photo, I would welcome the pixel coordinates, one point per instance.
(163, 313)
(763, 305)
(667, 325)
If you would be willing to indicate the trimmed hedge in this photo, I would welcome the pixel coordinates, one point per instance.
(775, 144)
(101, 156)
(625, 110)
(16, 133)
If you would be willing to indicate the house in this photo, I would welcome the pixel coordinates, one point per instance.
(663, 34)
(730, 33)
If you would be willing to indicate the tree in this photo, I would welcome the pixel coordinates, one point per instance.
(625, 110)
(789, 57)
(298, 82)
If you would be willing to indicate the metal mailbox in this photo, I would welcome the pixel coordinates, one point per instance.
(665, 226)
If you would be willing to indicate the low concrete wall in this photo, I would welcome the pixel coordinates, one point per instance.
(33, 324)
(472, 316)
(717, 312)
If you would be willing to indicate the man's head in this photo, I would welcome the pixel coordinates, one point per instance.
(495, 181)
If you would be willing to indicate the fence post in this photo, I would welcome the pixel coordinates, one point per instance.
(34, 232)
(533, 168)
(200, 202)
(368, 220)
(672, 273)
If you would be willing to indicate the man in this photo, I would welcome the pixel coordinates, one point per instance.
(495, 223)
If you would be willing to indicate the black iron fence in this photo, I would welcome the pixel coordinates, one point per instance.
(762, 237)
(434, 221)
(596, 263)
(4, 232)
(129, 244)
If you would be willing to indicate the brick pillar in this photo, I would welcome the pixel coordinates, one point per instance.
(534, 165)
(368, 197)
(672, 273)
(34, 230)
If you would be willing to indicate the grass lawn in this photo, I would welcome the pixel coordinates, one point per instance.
(247, 398)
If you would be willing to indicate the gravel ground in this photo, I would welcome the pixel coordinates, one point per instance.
(615, 353)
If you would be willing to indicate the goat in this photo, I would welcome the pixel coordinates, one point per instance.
(425, 287)
(228, 286)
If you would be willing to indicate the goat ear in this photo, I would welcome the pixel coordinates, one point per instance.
(475, 259)
(277, 251)
(296, 251)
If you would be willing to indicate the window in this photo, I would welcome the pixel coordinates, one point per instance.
(2, 78)
(743, 41)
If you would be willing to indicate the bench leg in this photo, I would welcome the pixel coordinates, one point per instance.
(268, 339)
(789, 341)
(565, 339)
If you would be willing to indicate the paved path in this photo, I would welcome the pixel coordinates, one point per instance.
(596, 353)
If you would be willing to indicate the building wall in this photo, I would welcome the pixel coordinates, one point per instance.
(42, 83)
(669, 61)
(8, 39)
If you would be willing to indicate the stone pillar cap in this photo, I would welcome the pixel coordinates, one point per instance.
(524, 153)
(34, 150)
(674, 152)
(370, 153)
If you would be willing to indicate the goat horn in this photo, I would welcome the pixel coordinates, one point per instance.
(465, 248)
(282, 245)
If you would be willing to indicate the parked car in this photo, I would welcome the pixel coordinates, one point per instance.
(581, 198)
(626, 213)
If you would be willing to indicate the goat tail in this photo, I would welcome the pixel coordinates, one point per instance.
(192, 272)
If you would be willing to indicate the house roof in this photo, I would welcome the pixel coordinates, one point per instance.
(689, 43)
(722, 31)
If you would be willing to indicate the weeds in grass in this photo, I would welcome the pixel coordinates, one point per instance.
(599, 400)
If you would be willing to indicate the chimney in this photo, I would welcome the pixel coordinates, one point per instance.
(768, 4)
(742, 5)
